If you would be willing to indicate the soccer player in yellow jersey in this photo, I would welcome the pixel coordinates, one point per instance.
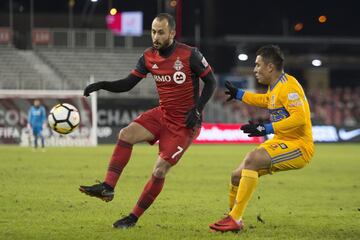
(292, 146)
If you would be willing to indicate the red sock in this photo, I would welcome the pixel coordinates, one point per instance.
(119, 159)
(150, 192)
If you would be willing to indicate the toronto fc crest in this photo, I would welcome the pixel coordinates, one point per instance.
(178, 64)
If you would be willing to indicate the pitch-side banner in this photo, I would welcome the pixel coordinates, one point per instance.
(114, 114)
(15, 130)
(231, 133)
(224, 133)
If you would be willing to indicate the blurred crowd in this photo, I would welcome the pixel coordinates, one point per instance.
(220, 111)
(338, 106)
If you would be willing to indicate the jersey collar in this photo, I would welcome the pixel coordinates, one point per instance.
(169, 50)
(278, 80)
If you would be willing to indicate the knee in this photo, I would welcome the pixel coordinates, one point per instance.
(251, 160)
(160, 172)
(125, 135)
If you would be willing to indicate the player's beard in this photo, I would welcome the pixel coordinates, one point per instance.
(162, 46)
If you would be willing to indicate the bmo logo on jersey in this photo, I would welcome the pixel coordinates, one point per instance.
(178, 77)
(162, 78)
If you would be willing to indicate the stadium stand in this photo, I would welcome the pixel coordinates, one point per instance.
(338, 106)
(76, 66)
(66, 68)
(22, 69)
(59, 68)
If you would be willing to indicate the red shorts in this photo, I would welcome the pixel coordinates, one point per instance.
(173, 139)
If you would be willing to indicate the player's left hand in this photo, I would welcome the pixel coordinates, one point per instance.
(193, 118)
(254, 129)
(92, 88)
(231, 91)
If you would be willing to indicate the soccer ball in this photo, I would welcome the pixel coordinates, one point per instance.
(64, 118)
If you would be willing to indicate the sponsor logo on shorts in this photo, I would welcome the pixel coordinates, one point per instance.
(273, 146)
(283, 145)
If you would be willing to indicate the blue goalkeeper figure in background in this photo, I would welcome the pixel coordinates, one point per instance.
(36, 120)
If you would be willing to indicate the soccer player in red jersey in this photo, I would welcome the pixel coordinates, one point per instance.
(175, 123)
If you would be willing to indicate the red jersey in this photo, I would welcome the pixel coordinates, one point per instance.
(176, 72)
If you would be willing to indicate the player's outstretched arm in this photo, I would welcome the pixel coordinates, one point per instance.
(233, 92)
(122, 85)
(254, 99)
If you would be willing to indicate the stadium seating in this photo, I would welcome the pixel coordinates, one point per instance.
(76, 65)
(338, 106)
(22, 69)
(61, 68)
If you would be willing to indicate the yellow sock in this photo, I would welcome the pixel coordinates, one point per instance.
(232, 194)
(248, 182)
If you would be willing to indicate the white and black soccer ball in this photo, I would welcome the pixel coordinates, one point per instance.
(64, 118)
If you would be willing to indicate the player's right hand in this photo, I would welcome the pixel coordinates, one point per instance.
(193, 118)
(231, 91)
(254, 129)
(92, 88)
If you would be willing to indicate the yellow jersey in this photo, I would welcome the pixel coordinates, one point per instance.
(289, 111)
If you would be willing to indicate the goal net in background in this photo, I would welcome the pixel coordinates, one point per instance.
(14, 106)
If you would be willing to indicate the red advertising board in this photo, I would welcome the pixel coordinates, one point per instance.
(41, 36)
(224, 133)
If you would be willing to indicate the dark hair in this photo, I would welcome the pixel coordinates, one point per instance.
(170, 19)
(272, 54)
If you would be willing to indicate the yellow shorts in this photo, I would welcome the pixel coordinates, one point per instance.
(285, 155)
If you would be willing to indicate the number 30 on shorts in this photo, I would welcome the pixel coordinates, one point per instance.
(180, 149)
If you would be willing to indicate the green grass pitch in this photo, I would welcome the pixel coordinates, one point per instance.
(39, 197)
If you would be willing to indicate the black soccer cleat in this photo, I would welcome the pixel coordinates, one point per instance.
(126, 222)
(100, 190)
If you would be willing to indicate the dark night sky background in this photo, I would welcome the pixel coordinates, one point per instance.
(219, 18)
(231, 16)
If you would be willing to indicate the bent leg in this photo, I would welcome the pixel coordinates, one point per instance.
(254, 161)
(128, 136)
(234, 184)
(153, 187)
(285, 155)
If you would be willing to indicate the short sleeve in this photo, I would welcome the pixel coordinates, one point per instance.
(198, 63)
(140, 69)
